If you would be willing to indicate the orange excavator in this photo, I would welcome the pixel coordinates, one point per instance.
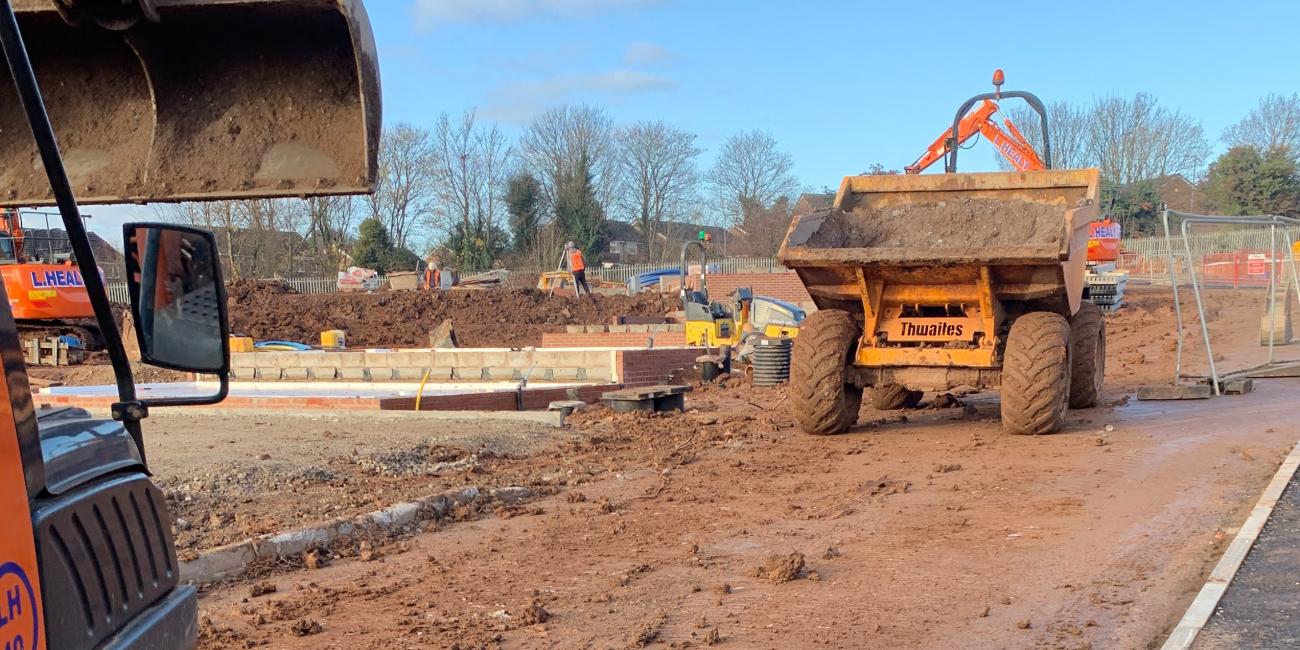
(47, 293)
(1009, 142)
(1104, 239)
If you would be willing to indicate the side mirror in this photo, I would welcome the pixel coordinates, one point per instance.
(178, 298)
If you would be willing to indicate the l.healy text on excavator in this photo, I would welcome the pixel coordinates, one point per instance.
(68, 278)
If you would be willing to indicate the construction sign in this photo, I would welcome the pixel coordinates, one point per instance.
(1257, 264)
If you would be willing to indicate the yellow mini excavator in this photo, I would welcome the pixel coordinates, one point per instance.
(112, 101)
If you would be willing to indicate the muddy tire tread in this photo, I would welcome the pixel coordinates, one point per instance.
(818, 394)
(894, 396)
(1036, 374)
(1087, 349)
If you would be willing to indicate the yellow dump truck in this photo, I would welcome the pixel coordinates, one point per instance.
(929, 282)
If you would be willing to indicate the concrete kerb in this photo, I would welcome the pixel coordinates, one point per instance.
(553, 419)
(1202, 608)
(233, 559)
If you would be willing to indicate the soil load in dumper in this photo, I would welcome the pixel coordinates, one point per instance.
(924, 279)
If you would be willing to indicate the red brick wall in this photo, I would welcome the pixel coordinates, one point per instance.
(237, 402)
(650, 367)
(534, 398)
(611, 339)
(782, 286)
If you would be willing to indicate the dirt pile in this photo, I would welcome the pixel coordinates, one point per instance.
(244, 289)
(955, 224)
(488, 318)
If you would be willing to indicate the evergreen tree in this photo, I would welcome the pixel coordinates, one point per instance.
(578, 214)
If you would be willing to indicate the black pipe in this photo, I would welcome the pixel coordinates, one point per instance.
(29, 93)
(1034, 102)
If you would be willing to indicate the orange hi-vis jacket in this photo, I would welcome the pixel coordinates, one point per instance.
(575, 261)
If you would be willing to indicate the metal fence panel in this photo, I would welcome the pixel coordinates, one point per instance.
(1221, 257)
(621, 272)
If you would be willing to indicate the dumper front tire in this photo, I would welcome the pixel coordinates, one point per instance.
(1088, 356)
(1036, 374)
(823, 403)
(894, 396)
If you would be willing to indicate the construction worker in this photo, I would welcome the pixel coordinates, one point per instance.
(578, 267)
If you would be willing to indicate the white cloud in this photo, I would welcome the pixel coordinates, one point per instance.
(518, 101)
(648, 54)
(437, 12)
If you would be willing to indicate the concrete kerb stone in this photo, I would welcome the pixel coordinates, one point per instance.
(233, 559)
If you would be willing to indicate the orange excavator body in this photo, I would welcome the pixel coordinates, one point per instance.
(41, 278)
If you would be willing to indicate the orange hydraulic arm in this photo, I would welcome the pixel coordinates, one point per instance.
(1010, 143)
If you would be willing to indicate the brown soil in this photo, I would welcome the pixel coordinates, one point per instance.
(481, 318)
(96, 371)
(954, 224)
(932, 526)
(781, 568)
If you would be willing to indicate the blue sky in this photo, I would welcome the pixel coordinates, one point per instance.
(840, 84)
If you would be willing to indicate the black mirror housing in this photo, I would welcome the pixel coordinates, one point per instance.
(178, 297)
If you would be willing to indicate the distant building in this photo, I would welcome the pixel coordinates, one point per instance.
(809, 203)
(628, 245)
(1175, 191)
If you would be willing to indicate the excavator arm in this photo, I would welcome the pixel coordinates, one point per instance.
(1010, 143)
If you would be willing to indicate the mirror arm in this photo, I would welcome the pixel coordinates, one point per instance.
(29, 93)
(204, 400)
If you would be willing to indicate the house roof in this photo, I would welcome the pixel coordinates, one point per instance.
(670, 230)
(813, 202)
(1176, 192)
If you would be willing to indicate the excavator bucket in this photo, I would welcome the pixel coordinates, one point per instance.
(177, 100)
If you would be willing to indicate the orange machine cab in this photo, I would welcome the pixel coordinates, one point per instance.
(1103, 241)
(20, 586)
(40, 291)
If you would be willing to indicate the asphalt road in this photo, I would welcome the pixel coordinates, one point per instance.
(1261, 608)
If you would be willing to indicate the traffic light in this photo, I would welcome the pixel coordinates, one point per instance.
(705, 236)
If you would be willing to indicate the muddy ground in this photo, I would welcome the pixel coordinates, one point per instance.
(925, 528)
(481, 318)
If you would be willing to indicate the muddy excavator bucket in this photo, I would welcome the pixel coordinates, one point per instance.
(173, 100)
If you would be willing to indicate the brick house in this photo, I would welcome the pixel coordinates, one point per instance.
(628, 245)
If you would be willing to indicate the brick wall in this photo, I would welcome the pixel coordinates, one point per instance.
(611, 339)
(534, 399)
(235, 402)
(650, 367)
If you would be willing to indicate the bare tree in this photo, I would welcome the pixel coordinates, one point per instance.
(658, 176)
(1275, 122)
(220, 217)
(750, 171)
(1068, 125)
(764, 229)
(556, 142)
(1133, 139)
(401, 200)
(327, 224)
(469, 181)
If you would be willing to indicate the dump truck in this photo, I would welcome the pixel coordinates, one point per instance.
(137, 101)
(930, 282)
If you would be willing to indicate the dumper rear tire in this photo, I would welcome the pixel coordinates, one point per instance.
(1088, 356)
(894, 396)
(821, 399)
(1036, 374)
(852, 405)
